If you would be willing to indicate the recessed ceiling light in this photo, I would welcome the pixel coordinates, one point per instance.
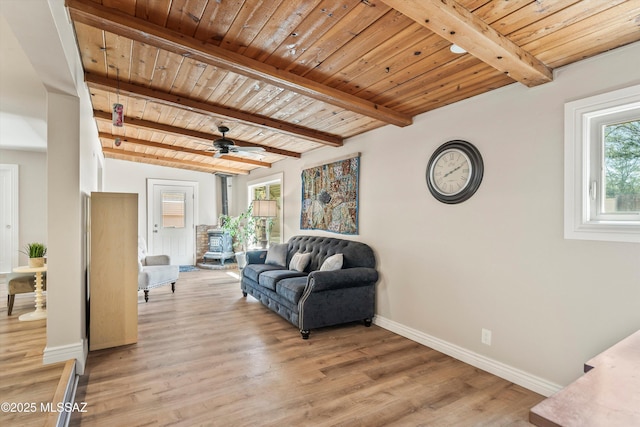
(456, 49)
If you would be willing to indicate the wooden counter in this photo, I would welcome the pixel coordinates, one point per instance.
(608, 394)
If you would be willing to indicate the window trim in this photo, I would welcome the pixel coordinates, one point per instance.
(579, 116)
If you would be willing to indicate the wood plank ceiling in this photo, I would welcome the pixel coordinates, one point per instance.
(292, 76)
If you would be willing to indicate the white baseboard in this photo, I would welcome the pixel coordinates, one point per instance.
(78, 351)
(494, 367)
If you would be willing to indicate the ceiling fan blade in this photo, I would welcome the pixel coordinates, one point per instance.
(257, 155)
(247, 149)
(224, 146)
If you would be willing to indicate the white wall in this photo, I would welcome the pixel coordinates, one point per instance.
(499, 260)
(131, 177)
(71, 167)
(44, 32)
(32, 196)
(23, 114)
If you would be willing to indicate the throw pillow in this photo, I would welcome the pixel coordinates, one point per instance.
(277, 254)
(299, 261)
(334, 262)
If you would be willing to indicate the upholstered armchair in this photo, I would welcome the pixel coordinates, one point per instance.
(154, 270)
(20, 283)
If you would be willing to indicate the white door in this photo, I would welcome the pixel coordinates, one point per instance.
(171, 220)
(8, 217)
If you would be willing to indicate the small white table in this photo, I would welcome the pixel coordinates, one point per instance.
(40, 312)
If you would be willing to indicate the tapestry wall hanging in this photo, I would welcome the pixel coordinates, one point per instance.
(330, 196)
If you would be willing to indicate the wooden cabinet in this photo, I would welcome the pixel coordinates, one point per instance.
(113, 270)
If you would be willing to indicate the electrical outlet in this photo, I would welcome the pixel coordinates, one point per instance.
(486, 336)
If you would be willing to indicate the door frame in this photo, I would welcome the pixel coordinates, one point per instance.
(12, 198)
(151, 182)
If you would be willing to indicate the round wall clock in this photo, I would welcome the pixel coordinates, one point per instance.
(454, 171)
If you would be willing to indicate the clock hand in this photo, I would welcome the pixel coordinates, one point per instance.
(452, 171)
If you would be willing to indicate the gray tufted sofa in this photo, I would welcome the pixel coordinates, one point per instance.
(313, 299)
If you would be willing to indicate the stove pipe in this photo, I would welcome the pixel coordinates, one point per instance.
(224, 195)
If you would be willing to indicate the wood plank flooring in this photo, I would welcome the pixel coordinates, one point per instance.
(207, 356)
(25, 383)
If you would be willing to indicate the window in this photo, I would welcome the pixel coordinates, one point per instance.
(173, 210)
(269, 188)
(602, 167)
(620, 175)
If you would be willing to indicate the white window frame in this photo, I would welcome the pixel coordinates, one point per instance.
(583, 160)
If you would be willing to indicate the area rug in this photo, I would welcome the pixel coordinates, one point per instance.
(185, 268)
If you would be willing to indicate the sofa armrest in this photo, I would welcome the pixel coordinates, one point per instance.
(344, 278)
(257, 256)
(157, 260)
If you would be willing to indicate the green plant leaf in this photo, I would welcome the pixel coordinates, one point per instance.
(34, 250)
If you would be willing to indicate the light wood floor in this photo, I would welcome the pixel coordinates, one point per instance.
(207, 356)
(23, 378)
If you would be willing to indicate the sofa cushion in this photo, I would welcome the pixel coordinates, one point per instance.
(299, 261)
(157, 275)
(292, 288)
(19, 283)
(157, 260)
(277, 254)
(334, 262)
(253, 271)
(269, 279)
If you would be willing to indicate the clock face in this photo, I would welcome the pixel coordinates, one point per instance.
(455, 171)
(451, 172)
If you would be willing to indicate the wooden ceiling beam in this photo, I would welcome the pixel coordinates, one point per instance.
(177, 162)
(180, 149)
(122, 24)
(182, 102)
(453, 22)
(206, 138)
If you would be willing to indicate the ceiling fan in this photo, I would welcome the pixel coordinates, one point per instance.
(225, 145)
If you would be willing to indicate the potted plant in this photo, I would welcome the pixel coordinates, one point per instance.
(36, 253)
(242, 229)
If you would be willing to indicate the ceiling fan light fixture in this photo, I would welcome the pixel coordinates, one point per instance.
(224, 145)
(457, 49)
